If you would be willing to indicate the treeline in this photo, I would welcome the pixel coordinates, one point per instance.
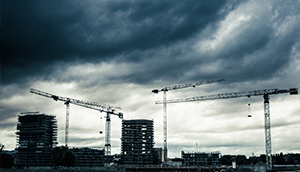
(281, 159)
(62, 156)
(6, 160)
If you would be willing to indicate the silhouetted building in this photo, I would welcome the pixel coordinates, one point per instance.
(36, 137)
(89, 156)
(200, 158)
(157, 155)
(137, 141)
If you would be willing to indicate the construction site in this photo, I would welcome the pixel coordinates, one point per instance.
(37, 135)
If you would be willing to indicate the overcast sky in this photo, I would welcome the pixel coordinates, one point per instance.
(116, 52)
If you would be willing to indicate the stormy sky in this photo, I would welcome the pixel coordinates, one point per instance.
(116, 52)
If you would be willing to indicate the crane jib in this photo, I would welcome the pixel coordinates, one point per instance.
(292, 91)
(180, 86)
(87, 104)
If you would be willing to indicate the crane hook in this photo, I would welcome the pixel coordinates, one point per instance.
(249, 108)
(100, 132)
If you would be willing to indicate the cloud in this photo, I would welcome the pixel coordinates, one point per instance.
(40, 39)
(165, 43)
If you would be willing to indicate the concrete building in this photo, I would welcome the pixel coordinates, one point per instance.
(137, 141)
(200, 158)
(36, 137)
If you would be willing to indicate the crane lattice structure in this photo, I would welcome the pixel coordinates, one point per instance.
(109, 110)
(265, 93)
(176, 87)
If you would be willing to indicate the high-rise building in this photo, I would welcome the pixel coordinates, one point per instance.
(36, 137)
(137, 141)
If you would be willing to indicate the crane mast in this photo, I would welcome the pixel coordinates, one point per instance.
(165, 151)
(107, 135)
(265, 93)
(109, 110)
(268, 132)
(67, 103)
(164, 90)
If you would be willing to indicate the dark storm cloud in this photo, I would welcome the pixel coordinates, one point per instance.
(38, 35)
(8, 126)
(9, 111)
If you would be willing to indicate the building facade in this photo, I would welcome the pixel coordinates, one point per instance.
(137, 142)
(200, 158)
(36, 137)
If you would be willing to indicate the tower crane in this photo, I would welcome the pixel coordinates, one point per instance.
(176, 87)
(265, 93)
(109, 110)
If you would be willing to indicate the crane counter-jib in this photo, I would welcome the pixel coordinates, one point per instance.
(292, 91)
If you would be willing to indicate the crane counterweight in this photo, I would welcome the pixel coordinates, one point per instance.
(293, 91)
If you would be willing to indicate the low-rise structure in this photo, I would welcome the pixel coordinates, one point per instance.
(89, 156)
(200, 158)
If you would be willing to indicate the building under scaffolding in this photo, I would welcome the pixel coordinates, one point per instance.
(200, 158)
(36, 137)
(137, 141)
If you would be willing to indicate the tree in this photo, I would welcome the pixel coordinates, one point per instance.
(241, 159)
(58, 153)
(6, 160)
(262, 158)
(68, 159)
(64, 157)
(226, 160)
(1, 147)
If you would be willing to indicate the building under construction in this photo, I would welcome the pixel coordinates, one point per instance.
(200, 158)
(36, 137)
(137, 141)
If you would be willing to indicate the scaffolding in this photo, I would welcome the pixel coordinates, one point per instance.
(200, 158)
(36, 137)
(137, 141)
